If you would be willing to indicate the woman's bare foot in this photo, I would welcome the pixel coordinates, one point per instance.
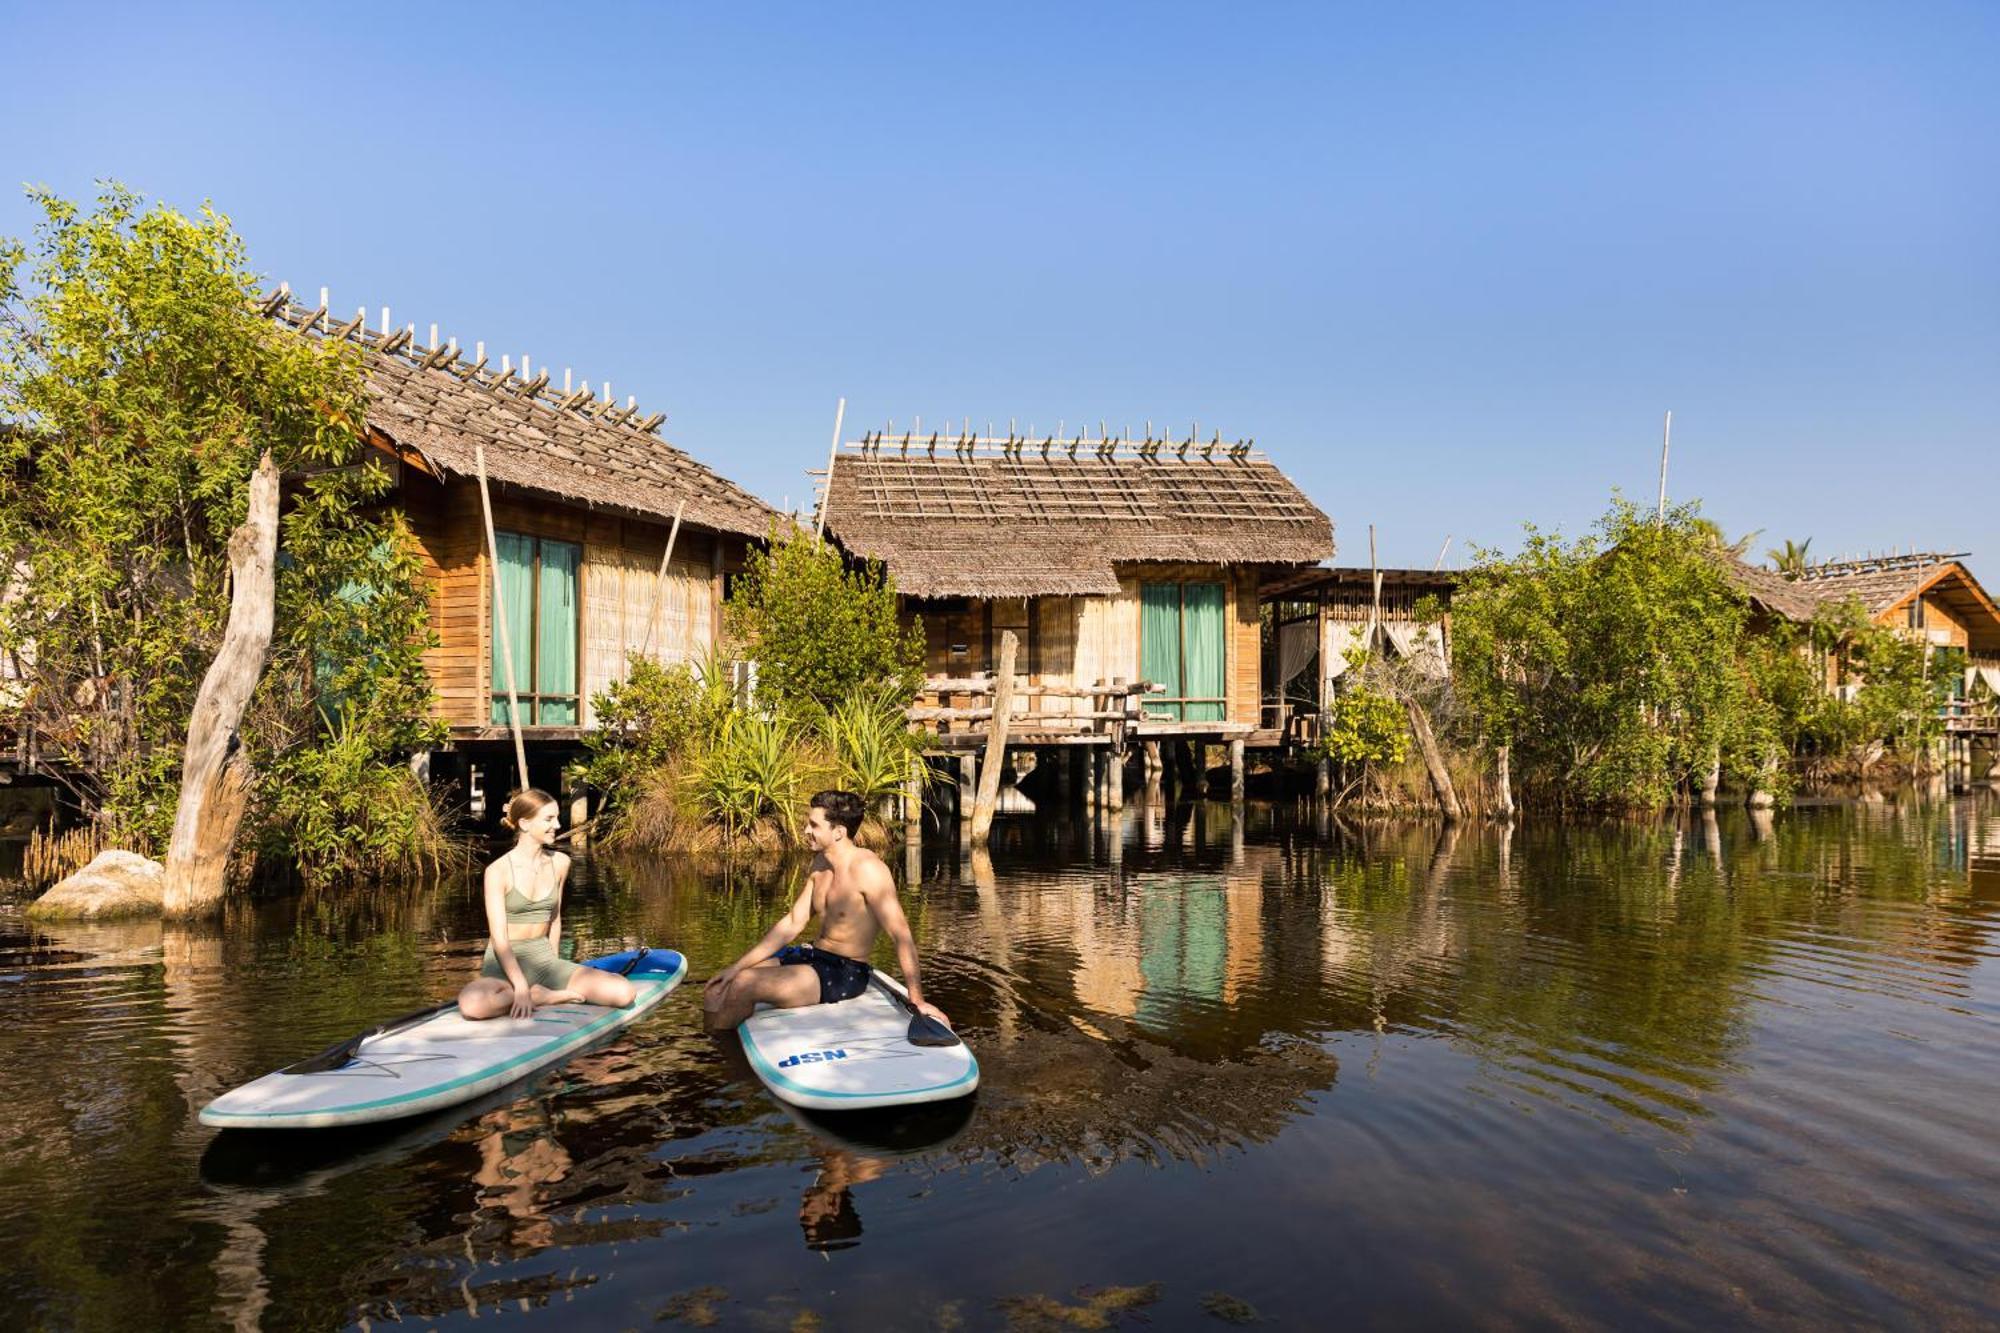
(542, 995)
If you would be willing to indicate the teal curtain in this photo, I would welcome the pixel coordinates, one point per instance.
(555, 637)
(1160, 642)
(1203, 642)
(517, 591)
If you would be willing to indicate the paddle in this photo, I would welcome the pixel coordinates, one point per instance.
(924, 1030)
(342, 1053)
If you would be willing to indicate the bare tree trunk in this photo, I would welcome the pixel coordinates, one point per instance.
(1503, 758)
(215, 777)
(1711, 781)
(1420, 727)
(996, 742)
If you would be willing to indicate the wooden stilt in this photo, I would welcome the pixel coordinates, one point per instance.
(996, 742)
(1115, 777)
(1236, 771)
(500, 623)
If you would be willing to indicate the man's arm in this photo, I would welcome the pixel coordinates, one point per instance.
(878, 888)
(777, 937)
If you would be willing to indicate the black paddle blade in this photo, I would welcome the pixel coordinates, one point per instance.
(342, 1053)
(927, 1031)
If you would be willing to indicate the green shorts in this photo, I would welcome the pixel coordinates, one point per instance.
(538, 961)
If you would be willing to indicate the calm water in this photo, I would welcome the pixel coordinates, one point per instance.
(1335, 1075)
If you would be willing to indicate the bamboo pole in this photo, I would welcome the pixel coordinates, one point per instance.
(500, 621)
(996, 742)
(1666, 442)
(660, 583)
(832, 453)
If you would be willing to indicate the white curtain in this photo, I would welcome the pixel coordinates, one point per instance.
(1991, 675)
(1295, 649)
(1340, 636)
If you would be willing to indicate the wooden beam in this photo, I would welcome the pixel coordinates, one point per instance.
(996, 743)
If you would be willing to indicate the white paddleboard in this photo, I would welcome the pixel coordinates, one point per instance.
(854, 1055)
(438, 1061)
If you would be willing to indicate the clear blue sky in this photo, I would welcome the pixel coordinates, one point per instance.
(1448, 264)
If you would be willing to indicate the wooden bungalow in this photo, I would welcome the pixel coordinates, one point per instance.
(1114, 562)
(1318, 616)
(586, 497)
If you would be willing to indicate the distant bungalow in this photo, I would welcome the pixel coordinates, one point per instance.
(1113, 562)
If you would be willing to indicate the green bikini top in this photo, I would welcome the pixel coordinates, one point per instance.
(523, 910)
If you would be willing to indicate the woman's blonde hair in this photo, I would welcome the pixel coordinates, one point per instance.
(525, 805)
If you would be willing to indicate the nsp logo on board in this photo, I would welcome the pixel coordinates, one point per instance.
(811, 1058)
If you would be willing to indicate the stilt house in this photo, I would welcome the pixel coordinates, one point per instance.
(585, 499)
(1318, 616)
(1113, 562)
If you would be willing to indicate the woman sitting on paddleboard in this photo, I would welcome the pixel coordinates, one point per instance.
(524, 888)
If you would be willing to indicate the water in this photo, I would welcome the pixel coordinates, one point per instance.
(1327, 1074)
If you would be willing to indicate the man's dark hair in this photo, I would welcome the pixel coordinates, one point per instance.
(842, 807)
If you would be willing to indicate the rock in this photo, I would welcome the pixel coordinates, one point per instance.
(114, 884)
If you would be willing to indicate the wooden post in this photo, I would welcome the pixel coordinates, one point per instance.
(1077, 764)
(1427, 746)
(913, 802)
(660, 585)
(579, 808)
(1236, 771)
(215, 774)
(500, 622)
(1114, 776)
(968, 773)
(1323, 779)
(996, 742)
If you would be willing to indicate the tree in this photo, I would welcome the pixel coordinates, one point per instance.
(1790, 560)
(138, 387)
(820, 630)
(1608, 665)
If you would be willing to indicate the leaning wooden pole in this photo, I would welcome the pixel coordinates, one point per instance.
(500, 624)
(996, 743)
(215, 774)
(1427, 746)
(660, 584)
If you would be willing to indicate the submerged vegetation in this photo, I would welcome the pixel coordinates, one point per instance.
(138, 388)
(688, 762)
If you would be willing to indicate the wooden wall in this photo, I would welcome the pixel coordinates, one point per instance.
(621, 561)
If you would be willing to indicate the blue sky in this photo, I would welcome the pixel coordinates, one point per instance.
(1448, 264)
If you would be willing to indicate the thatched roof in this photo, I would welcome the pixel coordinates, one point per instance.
(1878, 584)
(1014, 518)
(1769, 590)
(436, 404)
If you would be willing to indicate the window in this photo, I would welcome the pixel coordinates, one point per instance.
(1182, 645)
(538, 591)
(1916, 613)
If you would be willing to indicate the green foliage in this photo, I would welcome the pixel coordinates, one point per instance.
(1607, 663)
(138, 388)
(871, 742)
(819, 630)
(1789, 559)
(1364, 727)
(657, 714)
(345, 816)
(756, 776)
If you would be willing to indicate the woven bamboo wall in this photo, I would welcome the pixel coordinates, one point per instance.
(627, 597)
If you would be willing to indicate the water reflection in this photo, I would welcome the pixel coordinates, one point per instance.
(1685, 1069)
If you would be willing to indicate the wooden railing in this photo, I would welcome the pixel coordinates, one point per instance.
(962, 706)
(1978, 715)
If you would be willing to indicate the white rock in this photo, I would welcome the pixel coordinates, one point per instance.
(115, 883)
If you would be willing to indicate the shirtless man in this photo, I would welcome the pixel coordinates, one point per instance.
(852, 894)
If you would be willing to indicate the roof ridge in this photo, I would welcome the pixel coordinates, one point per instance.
(402, 343)
(1103, 447)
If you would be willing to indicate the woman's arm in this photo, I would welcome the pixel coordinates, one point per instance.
(555, 918)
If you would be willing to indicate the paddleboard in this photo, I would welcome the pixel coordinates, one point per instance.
(854, 1055)
(437, 1058)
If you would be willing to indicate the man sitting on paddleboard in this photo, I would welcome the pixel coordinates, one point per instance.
(853, 895)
